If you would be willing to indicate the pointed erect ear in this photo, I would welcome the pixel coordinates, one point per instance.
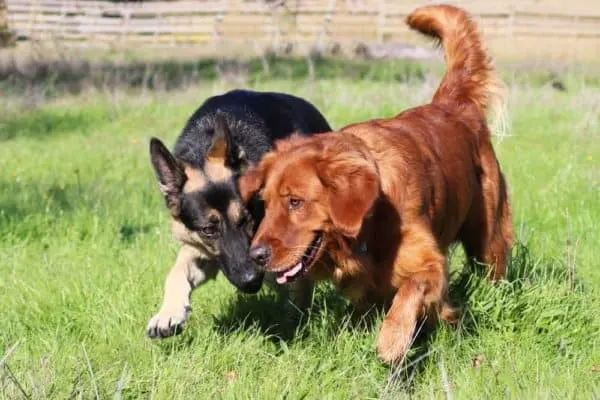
(169, 173)
(220, 138)
(224, 148)
(352, 184)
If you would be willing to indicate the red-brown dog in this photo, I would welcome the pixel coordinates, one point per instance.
(375, 206)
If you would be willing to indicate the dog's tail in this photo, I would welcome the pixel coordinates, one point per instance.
(470, 80)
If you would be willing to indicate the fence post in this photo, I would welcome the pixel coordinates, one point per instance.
(326, 21)
(381, 21)
(219, 17)
(511, 20)
(125, 16)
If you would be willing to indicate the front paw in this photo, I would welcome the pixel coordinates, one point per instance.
(394, 341)
(168, 322)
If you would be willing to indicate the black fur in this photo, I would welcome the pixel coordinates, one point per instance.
(255, 120)
(250, 122)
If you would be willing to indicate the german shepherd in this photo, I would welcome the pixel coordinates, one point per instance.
(198, 181)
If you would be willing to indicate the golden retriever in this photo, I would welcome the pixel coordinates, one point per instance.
(375, 206)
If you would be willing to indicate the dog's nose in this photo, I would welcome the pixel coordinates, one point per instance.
(260, 254)
(251, 282)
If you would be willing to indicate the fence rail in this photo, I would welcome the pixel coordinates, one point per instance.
(101, 23)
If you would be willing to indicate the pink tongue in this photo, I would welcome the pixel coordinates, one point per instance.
(281, 279)
(291, 272)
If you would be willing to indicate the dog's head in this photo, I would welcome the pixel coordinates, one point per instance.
(206, 208)
(315, 190)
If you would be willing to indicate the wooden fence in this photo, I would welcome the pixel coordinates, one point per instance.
(280, 23)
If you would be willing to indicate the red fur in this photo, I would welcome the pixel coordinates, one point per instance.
(406, 187)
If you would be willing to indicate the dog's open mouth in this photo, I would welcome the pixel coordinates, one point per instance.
(305, 262)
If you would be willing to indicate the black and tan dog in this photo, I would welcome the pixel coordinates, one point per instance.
(225, 135)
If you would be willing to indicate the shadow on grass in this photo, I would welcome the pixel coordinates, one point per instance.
(129, 231)
(31, 210)
(538, 295)
(472, 292)
(531, 299)
(269, 313)
(19, 200)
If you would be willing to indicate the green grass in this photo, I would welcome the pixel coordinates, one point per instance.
(85, 246)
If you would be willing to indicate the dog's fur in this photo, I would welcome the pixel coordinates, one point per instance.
(375, 206)
(219, 140)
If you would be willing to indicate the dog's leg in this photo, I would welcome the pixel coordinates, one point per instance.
(295, 298)
(396, 333)
(300, 294)
(421, 279)
(190, 270)
(487, 233)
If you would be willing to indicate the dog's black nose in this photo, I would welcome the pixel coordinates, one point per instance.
(260, 254)
(251, 282)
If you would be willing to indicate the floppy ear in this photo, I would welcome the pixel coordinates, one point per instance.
(352, 183)
(224, 147)
(170, 174)
(254, 178)
(249, 183)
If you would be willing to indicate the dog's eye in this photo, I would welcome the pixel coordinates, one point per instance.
(210, 231)
(294, 203)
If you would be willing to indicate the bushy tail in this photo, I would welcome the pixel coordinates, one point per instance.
(470, 79)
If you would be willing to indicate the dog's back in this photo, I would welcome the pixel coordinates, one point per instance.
(446, 143)
(256, 120)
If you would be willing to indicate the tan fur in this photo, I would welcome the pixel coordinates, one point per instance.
(191, 269)
(234, 211)
(196, 179)
(218, 149)
(189, 238)
(216, 170)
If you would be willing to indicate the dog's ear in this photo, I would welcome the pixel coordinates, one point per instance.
(223, 146)
(255, 177)
(170, 174)
(352, 184)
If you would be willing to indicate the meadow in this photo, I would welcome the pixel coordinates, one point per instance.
(85, 246)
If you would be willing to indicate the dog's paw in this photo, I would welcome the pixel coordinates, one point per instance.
(393, 342)
(448, 314)
(168, 322)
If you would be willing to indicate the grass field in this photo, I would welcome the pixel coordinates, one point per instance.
(85, 246)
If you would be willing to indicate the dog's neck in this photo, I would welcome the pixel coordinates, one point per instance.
(347, 263)
(339, 258)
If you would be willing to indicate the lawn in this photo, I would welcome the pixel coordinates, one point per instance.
(85, 247)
